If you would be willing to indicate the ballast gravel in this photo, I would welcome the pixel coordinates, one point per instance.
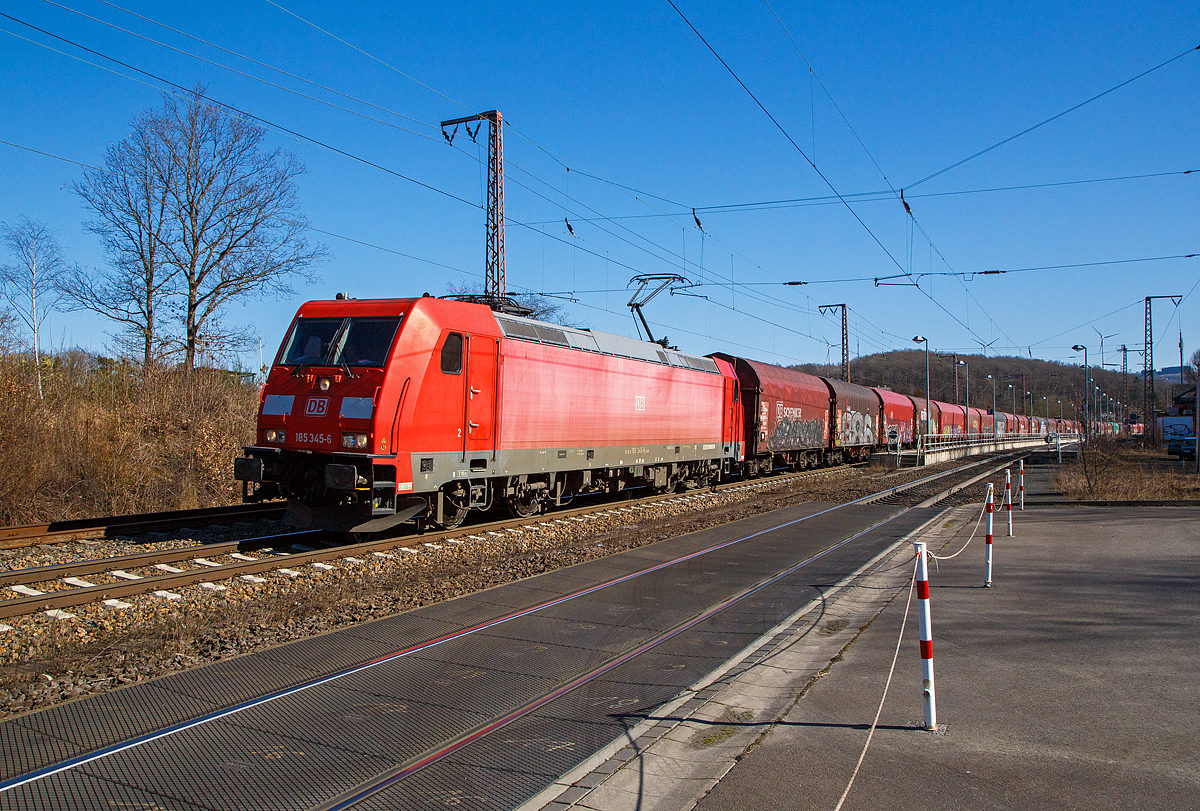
(45, 661)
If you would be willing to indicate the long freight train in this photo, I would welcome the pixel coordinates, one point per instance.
(381, 411)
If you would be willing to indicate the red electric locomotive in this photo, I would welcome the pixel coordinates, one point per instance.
(379, 411)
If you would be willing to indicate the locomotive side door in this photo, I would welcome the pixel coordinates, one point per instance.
(480, 380)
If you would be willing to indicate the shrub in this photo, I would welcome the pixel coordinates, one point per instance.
(1120, 471)
(111, 438)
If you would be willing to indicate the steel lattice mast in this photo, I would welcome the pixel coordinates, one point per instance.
(1148, 378)
(845, 338)
(494, 285)
(1148, 422)
(1124, 380)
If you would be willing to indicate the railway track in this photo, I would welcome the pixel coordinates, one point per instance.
(19, 537)
(288, 552)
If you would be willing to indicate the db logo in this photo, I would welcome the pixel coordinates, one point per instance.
(639, 403)
(317, 406)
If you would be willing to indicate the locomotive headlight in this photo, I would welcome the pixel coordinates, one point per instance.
(323, 384)
(275, 435)
(354, 441)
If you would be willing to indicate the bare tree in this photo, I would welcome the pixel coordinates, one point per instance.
(130, 198)
(237, 230)
(195, 209)
(30, 280)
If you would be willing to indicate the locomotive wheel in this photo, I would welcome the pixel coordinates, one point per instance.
(523, 505)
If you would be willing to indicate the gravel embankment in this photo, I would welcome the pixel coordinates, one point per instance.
(44, 661)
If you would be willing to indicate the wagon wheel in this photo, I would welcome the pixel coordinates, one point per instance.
(523, 505)
(454, 512)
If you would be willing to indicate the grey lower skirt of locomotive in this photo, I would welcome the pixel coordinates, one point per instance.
(357, 492)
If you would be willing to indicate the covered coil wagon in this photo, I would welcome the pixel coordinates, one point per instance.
(896, 411)
(854, 427)
(786, 413)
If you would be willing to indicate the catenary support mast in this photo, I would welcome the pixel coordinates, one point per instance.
(1148, 420)
(494, 286)
(845, 338)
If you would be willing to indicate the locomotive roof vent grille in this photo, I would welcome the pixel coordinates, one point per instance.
(517, 329)
(552, 336)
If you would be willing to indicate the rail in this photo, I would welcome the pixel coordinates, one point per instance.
(30, 534)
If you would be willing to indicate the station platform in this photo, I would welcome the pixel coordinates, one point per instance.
(1072, 683)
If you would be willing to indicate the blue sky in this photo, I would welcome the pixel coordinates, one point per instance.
(651, 125)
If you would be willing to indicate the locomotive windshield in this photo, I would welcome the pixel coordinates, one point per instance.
(340, 341)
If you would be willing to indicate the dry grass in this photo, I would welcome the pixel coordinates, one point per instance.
(111, 439)
(1117, 471)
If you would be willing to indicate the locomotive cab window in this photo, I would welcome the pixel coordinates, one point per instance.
(340, 341)
(309, 341)
(452, 351)
(367, 342)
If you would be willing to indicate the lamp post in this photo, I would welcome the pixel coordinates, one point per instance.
(921, 339)
(1027, 408)
(1086, 385)
(1014, 398)
(989, 377)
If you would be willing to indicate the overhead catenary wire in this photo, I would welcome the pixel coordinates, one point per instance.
(881, 196)
(1069, 110)
(272, 84)
(789, 138)
(510, 164)
(907, 207)
(369, 55)
(525, 289)
(353, 112)
(326, 88)
(189, 92)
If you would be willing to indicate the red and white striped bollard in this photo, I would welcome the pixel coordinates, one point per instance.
(1021, 483)
(987, 581)
(926, 630)
(1008, 498)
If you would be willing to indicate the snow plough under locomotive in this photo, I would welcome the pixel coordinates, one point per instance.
(381, 411)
